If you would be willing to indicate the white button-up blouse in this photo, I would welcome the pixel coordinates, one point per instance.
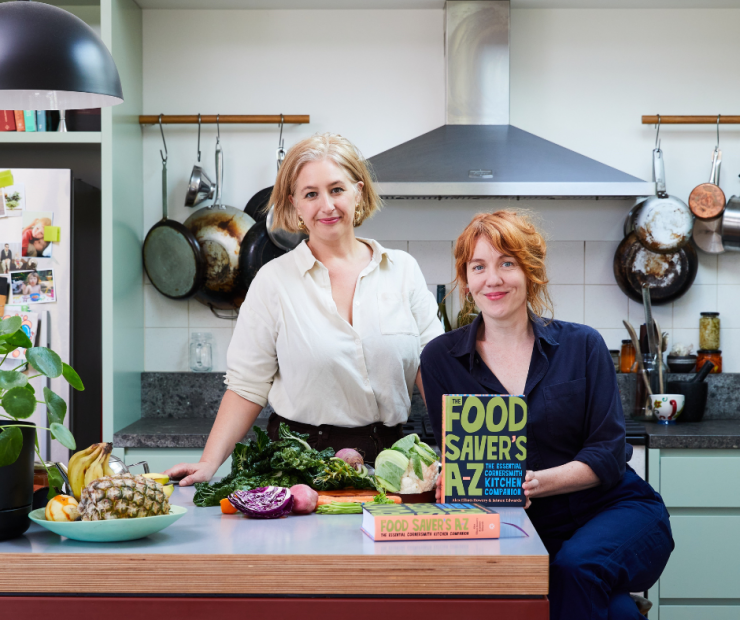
(291, 346)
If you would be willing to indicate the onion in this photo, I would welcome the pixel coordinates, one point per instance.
(352, 457)
(264, 502)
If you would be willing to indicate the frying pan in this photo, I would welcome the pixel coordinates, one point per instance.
(668, 276)
(707, 201)
(257, 249)
(173, 258)
(220, 230)
(256, 206)
(708, 235)
(663, 223)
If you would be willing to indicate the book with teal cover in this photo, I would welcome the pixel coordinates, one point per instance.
(484, 454)
(30, 117)
(40, 120)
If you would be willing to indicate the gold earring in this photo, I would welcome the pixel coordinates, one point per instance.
(302, 225)
(358, 215)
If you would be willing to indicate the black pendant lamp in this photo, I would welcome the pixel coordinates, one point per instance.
(52, 60)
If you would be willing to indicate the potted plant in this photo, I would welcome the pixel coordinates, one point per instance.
(18, 441)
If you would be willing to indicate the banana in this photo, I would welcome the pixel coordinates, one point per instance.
(81, 454)
(106, 468)
(95, 470)
(76, 471)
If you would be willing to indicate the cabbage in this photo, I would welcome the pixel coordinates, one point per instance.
(264, 502)
(389, 468)
(409, 466)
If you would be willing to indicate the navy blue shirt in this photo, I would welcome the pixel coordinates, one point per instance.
(574, 409)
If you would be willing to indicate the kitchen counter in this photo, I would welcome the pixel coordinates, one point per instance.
(707, 434)
(207, 553)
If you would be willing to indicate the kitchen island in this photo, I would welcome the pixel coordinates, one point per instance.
(209, 563)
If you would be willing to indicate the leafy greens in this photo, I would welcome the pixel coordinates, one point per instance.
(262, 463)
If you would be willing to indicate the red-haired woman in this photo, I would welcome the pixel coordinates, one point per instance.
(606, 530)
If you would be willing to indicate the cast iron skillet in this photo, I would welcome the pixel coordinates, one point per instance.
(257, 247)
(668, 276)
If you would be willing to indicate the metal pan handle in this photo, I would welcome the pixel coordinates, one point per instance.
(659, 173)
(716, 165)
(164, 190)
(219, 174)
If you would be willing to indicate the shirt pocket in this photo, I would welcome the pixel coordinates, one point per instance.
(394, 312)
(565, 404)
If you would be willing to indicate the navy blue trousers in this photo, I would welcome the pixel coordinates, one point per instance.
(623, 547)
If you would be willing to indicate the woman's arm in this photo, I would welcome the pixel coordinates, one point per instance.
(235, 417)
(420, 385)
(568, 478)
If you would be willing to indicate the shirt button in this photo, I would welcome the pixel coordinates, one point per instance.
(321, 432)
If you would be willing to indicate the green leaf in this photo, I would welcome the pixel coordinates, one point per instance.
(56, 482)
(12, 378)
(11, 442)
(19, 339)
(30, 388)
(72, 377)
(19, 402)
(45, 361)
(63, 436)
(10, 325)
(56, 408)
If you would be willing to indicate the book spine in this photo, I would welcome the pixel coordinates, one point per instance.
(41, 120)
(20, 123)
(7, 120)
(30, 118)
(437, 527)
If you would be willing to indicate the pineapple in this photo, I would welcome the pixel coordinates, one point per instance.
(123, 496)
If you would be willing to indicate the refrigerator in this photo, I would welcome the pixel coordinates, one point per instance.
(50, 253)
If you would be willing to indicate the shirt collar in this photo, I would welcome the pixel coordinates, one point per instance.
(306, 260)
(465, 345)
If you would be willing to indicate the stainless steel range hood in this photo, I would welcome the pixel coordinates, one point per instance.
(477, 154)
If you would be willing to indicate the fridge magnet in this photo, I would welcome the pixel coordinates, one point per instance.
(14, 199)
(8, 251)
(32, 238)
(32, 287)
(30, 325)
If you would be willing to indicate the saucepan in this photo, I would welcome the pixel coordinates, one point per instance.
(731, 225)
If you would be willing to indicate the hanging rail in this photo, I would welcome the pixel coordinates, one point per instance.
(686, 120)
(225, 119)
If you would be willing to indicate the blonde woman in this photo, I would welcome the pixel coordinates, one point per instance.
(330, 333)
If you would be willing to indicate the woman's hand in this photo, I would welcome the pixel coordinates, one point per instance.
(194, 472)
(531, 486)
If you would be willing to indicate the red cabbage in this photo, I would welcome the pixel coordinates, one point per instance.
(264, 502)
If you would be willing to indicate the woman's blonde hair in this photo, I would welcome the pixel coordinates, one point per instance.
(317, 148)
(513, 234)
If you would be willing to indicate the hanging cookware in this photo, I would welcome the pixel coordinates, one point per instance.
(708, 235)
(668, 276)
(707, 201)
(663, 223)
(173, 258)
(257, 249)
(257, 206)
(731, 225)
(220, 230)
(200, 187)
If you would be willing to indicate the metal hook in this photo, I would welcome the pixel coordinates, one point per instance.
(718, 115)
(280, 139)
(165, 154)
(657, 134)
(198, 137)
(281, 144)
(218, 128)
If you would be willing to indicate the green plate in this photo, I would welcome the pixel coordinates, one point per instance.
(112, 530)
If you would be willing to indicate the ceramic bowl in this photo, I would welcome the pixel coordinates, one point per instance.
(667, 407)
(14, 522)
(113, 530)
(683, 363)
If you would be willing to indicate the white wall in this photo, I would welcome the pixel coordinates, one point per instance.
(581, 78)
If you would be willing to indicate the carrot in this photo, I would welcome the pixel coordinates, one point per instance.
(356, 499)
(227, 507)
(349, 492)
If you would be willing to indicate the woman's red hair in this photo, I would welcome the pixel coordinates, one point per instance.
(513, 234)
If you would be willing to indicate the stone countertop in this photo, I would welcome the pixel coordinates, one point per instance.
(170, 433)
(707, 434)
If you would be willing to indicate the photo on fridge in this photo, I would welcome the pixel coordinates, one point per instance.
(13, 199)
(8, 252)
(32, 287)
(29, 325)
(32, 237)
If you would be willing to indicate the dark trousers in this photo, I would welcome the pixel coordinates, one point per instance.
(622, 549)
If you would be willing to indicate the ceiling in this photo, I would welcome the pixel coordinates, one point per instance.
(423, 4)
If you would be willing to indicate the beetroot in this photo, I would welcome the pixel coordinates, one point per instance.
(352, 457)
(304, 499)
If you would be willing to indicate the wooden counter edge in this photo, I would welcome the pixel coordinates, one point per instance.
(274, 574)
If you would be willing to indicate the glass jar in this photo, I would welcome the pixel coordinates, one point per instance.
(643, 410)
(627, 357)
(615, 358)
(713, 356)
(201, 358)
(709, 331)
